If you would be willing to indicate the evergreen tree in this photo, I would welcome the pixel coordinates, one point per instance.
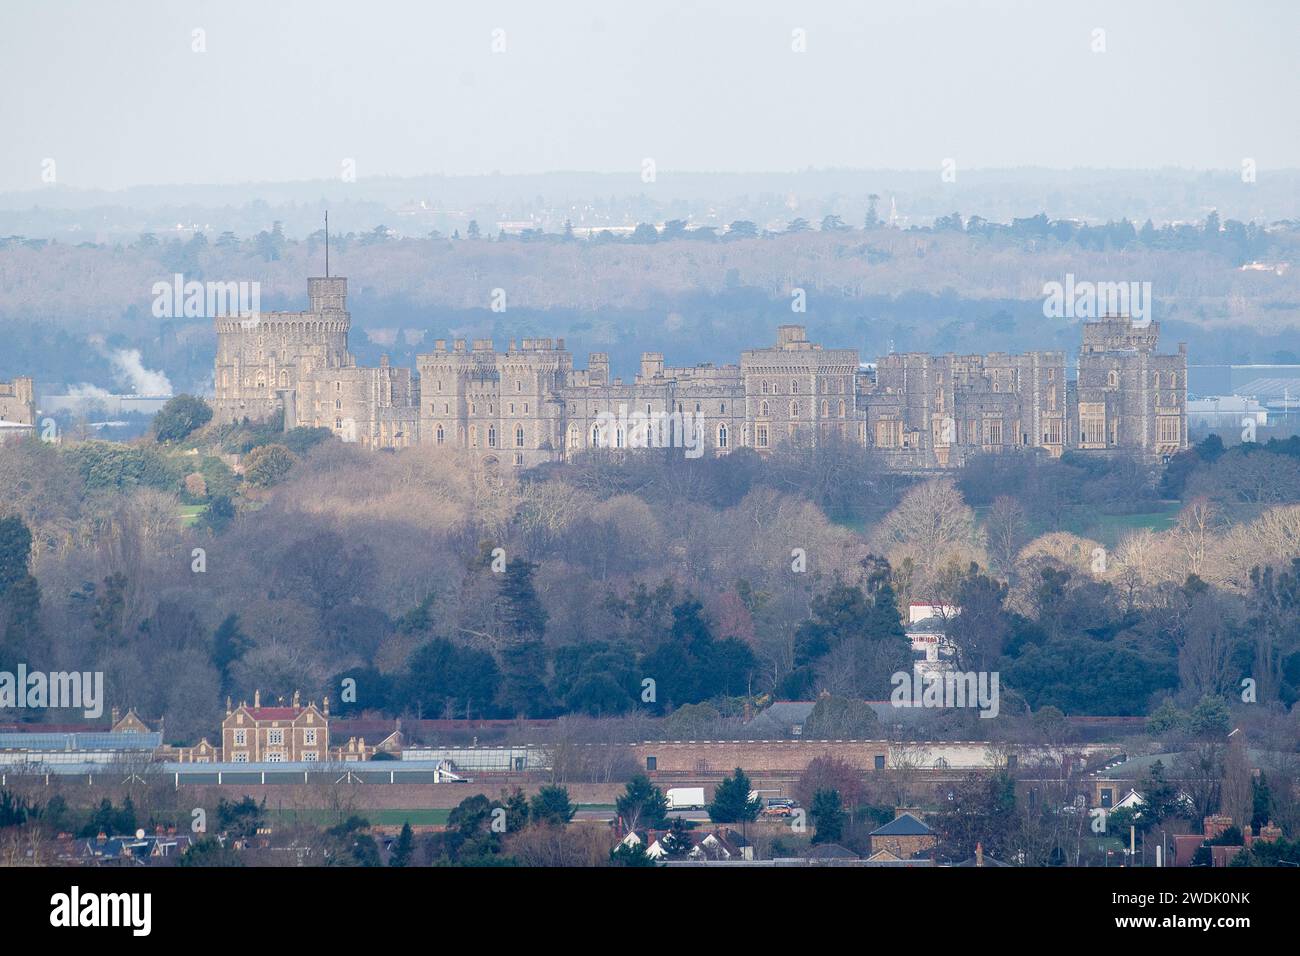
(15, 551)
(633, 855)
(677, 841)
(551, 807)
(731, 800)
(229, 644)
(827, 815)
(642, 804)
(405, 848)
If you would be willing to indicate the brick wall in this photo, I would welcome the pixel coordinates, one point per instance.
(753, 756)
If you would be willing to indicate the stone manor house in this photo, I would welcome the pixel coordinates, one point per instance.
(529, 405)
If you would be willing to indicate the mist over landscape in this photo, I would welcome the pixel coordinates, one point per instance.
(585, 436)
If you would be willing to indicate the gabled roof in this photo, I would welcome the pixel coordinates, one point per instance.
(903, 825)
(830, 851)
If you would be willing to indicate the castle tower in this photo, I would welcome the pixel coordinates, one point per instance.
(263, 360)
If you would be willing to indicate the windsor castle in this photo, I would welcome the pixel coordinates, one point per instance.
(529, 405)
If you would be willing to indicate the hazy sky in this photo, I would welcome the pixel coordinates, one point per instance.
(115, 95)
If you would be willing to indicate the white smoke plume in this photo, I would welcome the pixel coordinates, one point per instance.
(127, 365)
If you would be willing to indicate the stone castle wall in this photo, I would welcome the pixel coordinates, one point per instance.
(529, 405)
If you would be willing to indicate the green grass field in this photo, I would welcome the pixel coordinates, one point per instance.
(190, 513)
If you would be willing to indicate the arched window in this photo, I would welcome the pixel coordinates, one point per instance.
(440, 435)
(1113, 378)
(794, 386)
(762, 408)
(722, 436)
(841, 409)
(595, 436)
(722, 408)
(794, 409)
(473, 436)
(284, 378)
(618, 438)
(492, 436)
(826, 408)
(575, 436)
(519, 436)
(765, 388)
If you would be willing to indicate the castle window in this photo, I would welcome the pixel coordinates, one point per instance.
(512, 408)
(762, 436)
(440, 435)
(309, 737)
(338, 403)
(1112, 379)
(525, 408)
(338, 386)
(618, 438)
(826, 409)
(794, 387)
(473, 436)
(519, 437)
(574, 436)
(697, 408)
(765, 388)
(492, 436)
(722, 436)
(440, 385)
(519, 386)
(284, 378)
(241, 738)
(841, 409)
(1092, 423)
(794, 409)
(519, 459)
(275, 738)
(762, 409)
(338, 423)
(722, 408)
(1168, 430)
(595, 436)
